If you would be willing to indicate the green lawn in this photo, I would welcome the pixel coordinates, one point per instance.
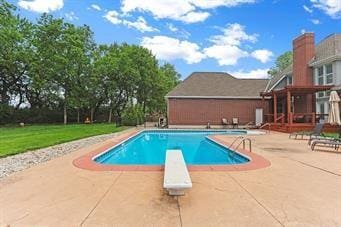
(14, 140)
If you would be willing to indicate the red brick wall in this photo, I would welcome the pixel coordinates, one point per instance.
(200, 111)
(304, 51)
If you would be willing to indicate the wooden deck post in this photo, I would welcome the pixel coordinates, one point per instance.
(313, 120)
(275, 107)
(289, 107)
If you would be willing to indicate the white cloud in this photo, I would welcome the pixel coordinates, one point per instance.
(262, 55)
(113, 17)
(204, 4)
(233, 35)
(172, 28)
(167, 48)
(315, 21)
(187, 11)
(307, 9)
(253, 74)
(140, 24)
(330, 7)
(227, 47)
(178, 31)
(96, 7)
(225, 54)
(41, 6)
(193, 17)
(173, 9)
(71, 16)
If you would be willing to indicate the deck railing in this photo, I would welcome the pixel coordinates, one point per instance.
(270, 118)
(296, 118)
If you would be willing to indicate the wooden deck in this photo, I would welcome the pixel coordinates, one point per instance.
(295, 127)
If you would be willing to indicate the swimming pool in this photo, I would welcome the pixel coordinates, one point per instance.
(149, 148)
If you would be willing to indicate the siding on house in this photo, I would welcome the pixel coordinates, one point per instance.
(200, 111)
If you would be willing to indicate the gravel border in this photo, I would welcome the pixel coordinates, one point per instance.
(15, 163)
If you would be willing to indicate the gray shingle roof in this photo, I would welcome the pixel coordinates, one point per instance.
(328, 47)
(215, 84)
(278, 77)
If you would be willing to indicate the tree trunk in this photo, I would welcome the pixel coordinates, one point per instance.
(65, 114)
(78, 115)
(92, 114)
(110, 115)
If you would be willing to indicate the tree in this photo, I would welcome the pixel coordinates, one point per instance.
(146, 68)
(64, 50)
(15, 53)
(282, 62)
(168, 78)
(56, 66)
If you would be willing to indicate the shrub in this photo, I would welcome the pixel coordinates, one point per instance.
(133, 116)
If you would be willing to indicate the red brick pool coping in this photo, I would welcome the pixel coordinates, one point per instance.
(86, 161)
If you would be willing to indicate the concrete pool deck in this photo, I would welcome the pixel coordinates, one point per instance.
(300, 188)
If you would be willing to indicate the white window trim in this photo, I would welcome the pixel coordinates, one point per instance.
(324, 76)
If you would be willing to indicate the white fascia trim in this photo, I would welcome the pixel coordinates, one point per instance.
(215, 97)
(326, 60)
(285, 75)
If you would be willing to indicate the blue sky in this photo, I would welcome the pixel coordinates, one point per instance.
(241, 37)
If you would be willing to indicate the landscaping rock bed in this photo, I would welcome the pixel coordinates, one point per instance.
(15, 163)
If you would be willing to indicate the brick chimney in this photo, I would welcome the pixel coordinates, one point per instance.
(304, 51)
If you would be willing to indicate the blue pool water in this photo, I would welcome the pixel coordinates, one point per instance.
(149, 148)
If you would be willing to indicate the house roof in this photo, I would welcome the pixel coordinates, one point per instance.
(275, 79)
(327, 48)
(218, 85)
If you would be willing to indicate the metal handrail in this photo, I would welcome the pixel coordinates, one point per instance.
(243, 141)
(235, 140)
(266, 124)
(280, 118)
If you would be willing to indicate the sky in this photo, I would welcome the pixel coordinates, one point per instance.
(240, 37)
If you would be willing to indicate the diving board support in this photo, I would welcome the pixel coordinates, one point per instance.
(176, 179)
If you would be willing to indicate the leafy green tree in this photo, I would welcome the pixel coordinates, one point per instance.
(65, 52)
(15, 53)
(147, 75)
(168, 78)
(282, 62)
(54, 65)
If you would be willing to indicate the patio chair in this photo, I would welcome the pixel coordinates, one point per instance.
(322, 137)
(317, 132)
(235, 122)
(224, 122)
(335, 143)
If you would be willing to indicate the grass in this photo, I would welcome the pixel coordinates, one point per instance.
(14, 140)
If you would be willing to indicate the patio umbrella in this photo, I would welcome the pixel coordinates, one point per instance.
(334, 111)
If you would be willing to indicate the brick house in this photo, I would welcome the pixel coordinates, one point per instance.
(295, 98)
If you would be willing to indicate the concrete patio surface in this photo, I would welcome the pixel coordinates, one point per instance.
(300, 188)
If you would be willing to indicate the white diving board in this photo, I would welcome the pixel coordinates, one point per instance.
(176, 179)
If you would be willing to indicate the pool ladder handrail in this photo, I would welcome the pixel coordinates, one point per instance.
(235, 140)
(242, 142)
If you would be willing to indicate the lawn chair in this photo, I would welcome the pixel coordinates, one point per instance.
(322, 137)
(224, 122)
(335, 143)
(235, 122)
(317, 132)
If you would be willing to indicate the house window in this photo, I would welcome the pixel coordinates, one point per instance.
(329, 74)
(322, 108)
(289, 80)
(320, 94)
(320, 78)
